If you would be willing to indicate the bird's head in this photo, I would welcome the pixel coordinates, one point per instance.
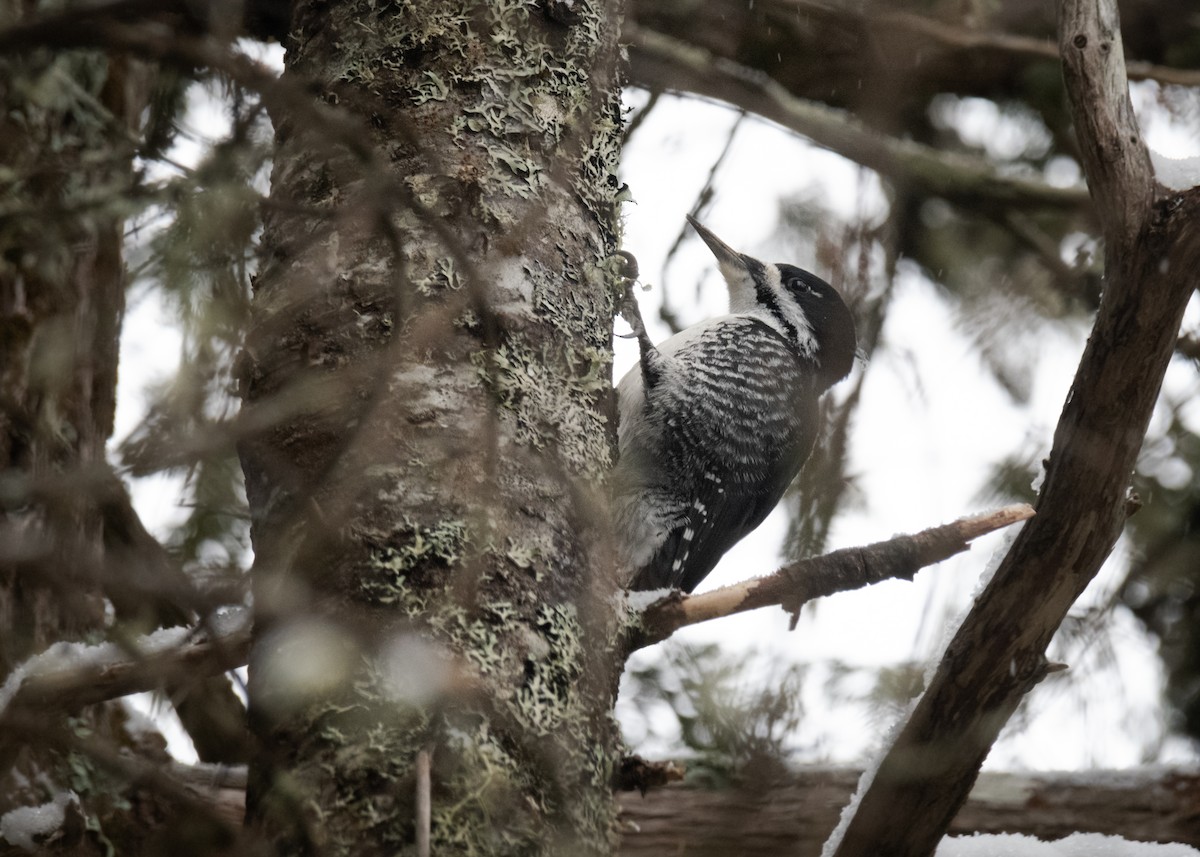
(805, 309)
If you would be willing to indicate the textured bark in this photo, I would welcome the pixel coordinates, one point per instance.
(438, 242)
(1152, 253)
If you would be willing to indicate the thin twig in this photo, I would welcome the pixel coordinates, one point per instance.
(424, 802)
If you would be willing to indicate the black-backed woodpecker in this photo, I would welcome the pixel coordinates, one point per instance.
(716, 421)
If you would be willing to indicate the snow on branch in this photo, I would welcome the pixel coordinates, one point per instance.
(840, 571)
(69, 675)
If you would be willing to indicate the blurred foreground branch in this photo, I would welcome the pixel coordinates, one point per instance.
(955, 38)
(69, 676)
(663, 62)
(843, 570)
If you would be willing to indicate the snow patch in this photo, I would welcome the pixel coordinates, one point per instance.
(25, 825)
(1075, 845)
(1039, 480)
(639, 600)
(1176, 173)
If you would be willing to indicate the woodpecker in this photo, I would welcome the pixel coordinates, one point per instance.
(716, 421)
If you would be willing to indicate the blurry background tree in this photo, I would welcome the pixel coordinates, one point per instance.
(135, 148)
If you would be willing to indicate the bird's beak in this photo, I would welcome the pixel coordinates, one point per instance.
(725, 254)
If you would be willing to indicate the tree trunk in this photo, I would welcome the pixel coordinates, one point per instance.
(431, 347)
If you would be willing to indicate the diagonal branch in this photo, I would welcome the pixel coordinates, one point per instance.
(659, 60)
(1152, 252)
(840, 571)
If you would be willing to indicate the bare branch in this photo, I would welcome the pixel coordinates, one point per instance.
(1189, 345)
(636, 774)
(670, 64)
(841, 571)
(1152, 252)
(1115, 158)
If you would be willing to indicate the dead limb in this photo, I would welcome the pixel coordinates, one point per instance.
(851, 568)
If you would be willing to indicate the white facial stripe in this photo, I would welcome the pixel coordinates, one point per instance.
(740, 284)
(805, 341)
(774, 283)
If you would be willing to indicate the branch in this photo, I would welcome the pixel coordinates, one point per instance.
(1189, 345)
(1114, 155)
(662, 61)
(68, 676)
(971, 39)
(841, 571)
(169, 792)
(998, 654)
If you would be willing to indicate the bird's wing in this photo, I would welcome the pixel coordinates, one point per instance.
(724, 510)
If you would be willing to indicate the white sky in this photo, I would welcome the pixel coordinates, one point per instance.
(931, 422)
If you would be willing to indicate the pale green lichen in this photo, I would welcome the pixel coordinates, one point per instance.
(444, 542)
(548, 700)
(483, 774)
(531, 553)
(432, 88)
(550, 396)
(385, 582)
